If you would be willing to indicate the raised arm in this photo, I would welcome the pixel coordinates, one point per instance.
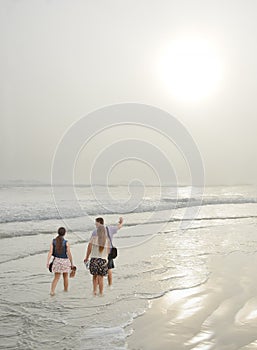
(120, 223)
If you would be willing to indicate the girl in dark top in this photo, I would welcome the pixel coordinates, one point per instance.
(62, 263)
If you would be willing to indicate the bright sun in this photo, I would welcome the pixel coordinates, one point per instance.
(190, 69)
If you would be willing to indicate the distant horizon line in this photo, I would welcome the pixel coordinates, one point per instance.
(35, 183)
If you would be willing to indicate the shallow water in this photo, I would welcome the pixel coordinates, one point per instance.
(148, 267)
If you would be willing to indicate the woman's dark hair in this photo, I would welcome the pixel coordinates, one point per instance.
(61, 231)
(59, 239)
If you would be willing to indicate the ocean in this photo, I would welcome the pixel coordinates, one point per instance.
(166, 244)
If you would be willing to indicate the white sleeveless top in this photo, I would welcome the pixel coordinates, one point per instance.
(95, 249)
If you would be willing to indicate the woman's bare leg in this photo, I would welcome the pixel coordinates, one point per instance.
(95, 283)
(55, 281)
(101, 284)
(110, 277)
(65, 281)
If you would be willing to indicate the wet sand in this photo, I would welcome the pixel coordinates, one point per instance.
(220, 314)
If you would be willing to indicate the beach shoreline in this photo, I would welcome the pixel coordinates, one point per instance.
(199, 281)
(219, 314)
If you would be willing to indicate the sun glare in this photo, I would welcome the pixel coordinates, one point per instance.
(190, 69)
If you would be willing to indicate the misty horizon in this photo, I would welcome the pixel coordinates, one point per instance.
(64, 60)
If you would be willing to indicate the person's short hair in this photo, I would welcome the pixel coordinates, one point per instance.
(100, 220)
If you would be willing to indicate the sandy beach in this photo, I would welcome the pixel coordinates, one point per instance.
(220, 314)
(173, 288)
(145, 110)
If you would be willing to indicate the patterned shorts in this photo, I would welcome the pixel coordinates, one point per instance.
(61, 265)
(98, 266)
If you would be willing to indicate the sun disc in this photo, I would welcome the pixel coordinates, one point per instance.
(190, 69)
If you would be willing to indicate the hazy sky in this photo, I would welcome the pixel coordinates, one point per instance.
(195, 59)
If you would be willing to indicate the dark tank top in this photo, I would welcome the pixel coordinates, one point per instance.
(63, 254)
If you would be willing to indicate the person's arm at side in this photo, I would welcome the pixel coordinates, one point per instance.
(49, 255)
(89, 250)
(69, 253)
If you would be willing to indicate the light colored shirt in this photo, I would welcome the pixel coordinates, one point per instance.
(95, 249)
(112, 231)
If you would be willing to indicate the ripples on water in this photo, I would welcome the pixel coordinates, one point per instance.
(171, 260)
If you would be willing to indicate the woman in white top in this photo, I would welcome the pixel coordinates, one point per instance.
(98, 250)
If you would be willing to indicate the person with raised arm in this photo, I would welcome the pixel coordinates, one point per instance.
(110, 231)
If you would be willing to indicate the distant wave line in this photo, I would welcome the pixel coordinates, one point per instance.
(180, 204)
(132, 224)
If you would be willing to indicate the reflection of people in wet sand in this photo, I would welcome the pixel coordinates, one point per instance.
(62, 262)
(98, 250)
(111, 231)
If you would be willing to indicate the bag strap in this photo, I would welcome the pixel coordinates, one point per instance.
(109, 236)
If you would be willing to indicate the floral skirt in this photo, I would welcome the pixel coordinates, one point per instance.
(98, 266)
(61, 265)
